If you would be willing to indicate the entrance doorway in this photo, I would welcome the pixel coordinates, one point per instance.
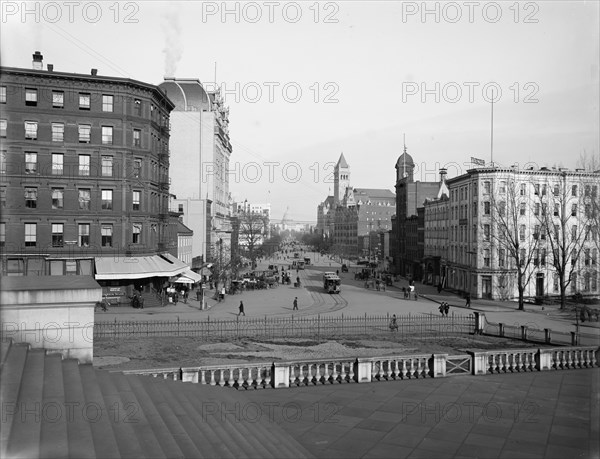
(486, 286)
(539, 284)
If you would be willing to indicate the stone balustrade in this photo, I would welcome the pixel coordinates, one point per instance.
(373, 369)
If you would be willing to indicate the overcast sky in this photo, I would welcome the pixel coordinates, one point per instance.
(306, 81)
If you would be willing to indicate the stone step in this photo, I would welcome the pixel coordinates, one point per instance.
(54, 441)
(177, 431)
(133, 414)
(97, 413)
(213, 445)
(81, 443)
(127, 441)
(156, 423)
(24, 439)
(11, 374)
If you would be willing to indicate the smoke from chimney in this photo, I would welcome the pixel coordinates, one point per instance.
(173, 49)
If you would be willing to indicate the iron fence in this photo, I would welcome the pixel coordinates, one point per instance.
(533, 334)
(305, 327)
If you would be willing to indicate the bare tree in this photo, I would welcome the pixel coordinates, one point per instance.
(566, 226)
(510, 217)
(253, 227)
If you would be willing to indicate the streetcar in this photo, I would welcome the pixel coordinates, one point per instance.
(331, 283)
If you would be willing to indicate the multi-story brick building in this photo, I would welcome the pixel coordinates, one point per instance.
(436, 235)
(84, 177)
(498, 217)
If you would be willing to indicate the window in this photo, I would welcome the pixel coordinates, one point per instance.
(574, 190)
(486, 208)
(136, 200)
(30, 162)
(84, 234)
(107, 135)
(522, 257)
(555, 283)
(574, 210)
(3, 197)
(2, 161)
(58, 132)
(501, 258)
(107, 103)
(587, 257)
(536, 232)
(137, 107)
(574, 232)
(556, 210)
(502, 187)
(587, 190)
(522, 208)
(107, 200)
(556, 232)
(30, 234)
(543, 257)
(31, 128)
(487, 187)
(544, 209)
(31, 96)
(137, 138)
(84, 101)
(84, 164)
(2, 94)
(521, 232)
(57, 198)
(57, 163)
(107, 166)
(106, 231)
(2, 234)
(58, 99)
(137, 233)
(536, 189)
(536, 209)
(180, 208)
(594, 256)
(522, 189)
(475, 209)
(588, 210)
(556, 190)
(544, 190)
(594, 191)
(85, 133)
(84, 199)
(486, 233)
(502, 208)
(137, 168)
(486, 257)
(3, 126)
(536, 257)
(57, 235)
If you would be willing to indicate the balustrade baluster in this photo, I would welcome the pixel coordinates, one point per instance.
(212, 377)
(221, 381)
(593, 361)
(386, 373)
(569, 359)
(202, 376)
(395, 371)
(326, 374)
(292, 375)
(334, 374)
(412, 368)
(404, 371)
(419, 368)
(350, 372)
(586, 358)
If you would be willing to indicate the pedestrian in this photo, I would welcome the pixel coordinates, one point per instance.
(298, 280)
(468, 303)
(439, 287)
(393, 323)
(441, 308)
(295, 308)
(337, 272)
(416, 295)
(141, 301)
(446, 309)
(241, 308)
(198, 294)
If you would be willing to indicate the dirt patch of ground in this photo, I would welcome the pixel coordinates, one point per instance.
(175, 352)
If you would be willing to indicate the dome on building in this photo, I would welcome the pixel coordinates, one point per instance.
(187, 94)
(404, 159)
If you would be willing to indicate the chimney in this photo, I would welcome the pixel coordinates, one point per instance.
(94, 72)
(50, 67)
(38, 61)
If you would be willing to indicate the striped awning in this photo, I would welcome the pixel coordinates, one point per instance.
(114, 268)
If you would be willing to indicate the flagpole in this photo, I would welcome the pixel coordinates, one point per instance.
(492, 133)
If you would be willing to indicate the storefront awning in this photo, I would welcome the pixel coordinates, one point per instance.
(187, 277)
(114, 268)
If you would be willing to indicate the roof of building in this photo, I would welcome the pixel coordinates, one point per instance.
(375, 193)
(10, 283)
(96, 413)
(404, 159)
(187, 94)
(342, 162)
(182, 229)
